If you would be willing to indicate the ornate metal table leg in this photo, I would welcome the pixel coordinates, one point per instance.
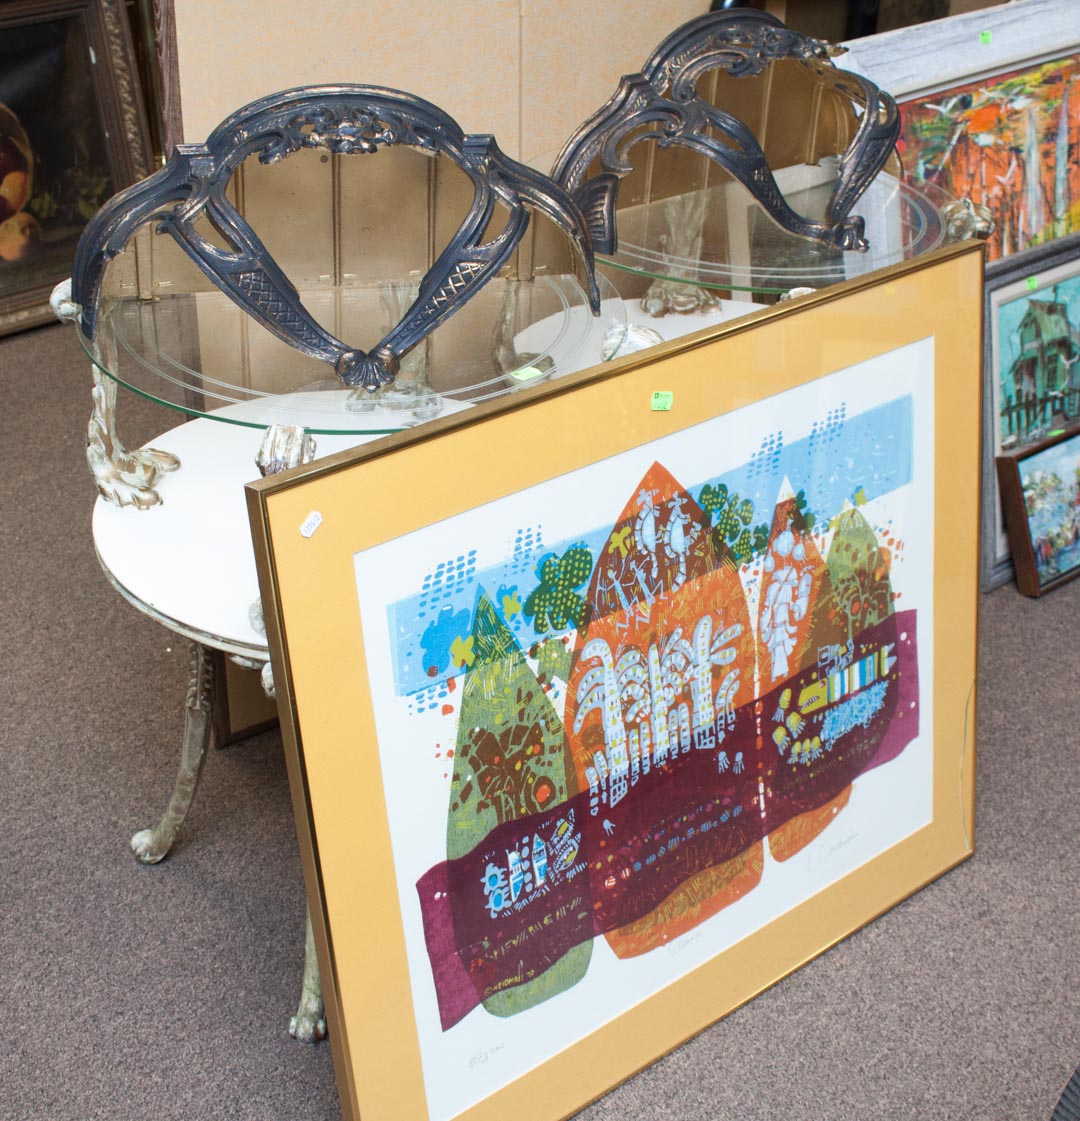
(285, 446)
(309, 1023)
(124, 478)
(152, 845)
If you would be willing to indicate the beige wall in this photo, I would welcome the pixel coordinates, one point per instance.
(527, 70)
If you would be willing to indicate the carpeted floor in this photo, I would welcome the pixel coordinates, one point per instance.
(132, 993)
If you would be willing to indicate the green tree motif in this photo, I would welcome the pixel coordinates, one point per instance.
(861, 589)
(511, 762)
(804, 518)
(731, 518)
(554, 603)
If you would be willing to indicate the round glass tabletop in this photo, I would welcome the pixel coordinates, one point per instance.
(684, 261)
(718, 238)
(199, 353)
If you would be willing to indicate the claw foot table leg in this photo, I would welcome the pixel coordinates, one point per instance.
(309, 1023)
(285, 446)
(152, 845)
(124, 478)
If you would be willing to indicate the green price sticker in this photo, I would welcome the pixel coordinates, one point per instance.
(1031, 283)
(986, 38)
(526, 373)
(661, 400)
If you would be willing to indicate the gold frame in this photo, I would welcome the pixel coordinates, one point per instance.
(118, 104)
(313, 625)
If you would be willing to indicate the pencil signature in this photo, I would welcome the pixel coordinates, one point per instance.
(482, 1057)
(823, 856)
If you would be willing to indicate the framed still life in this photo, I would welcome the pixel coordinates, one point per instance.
(72, 133)
(609, 704)
(1040, 491)
(988, 103)
(1031, 385)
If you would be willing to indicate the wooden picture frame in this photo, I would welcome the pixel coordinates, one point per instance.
(1040, 493)
(1029, 388)
(957, 83)
(540, 849)
(73, 132)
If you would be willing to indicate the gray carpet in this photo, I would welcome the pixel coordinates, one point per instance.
(132, 993)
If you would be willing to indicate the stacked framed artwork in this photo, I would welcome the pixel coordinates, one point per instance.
(990, 105)
(1030, 390)
(609, 704)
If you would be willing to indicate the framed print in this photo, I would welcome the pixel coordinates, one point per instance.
(1031, 381)
(610, 703)
(72, 134)
(985, 109)
(1040, 491)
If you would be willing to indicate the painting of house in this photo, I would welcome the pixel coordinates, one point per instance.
(1008, 143)
(1037, 333)
(1040, 386)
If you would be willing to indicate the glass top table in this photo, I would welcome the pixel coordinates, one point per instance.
(199, 353)
(684, 262)
(717, 239)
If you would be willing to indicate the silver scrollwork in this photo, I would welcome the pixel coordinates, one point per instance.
(661, 103)
(343, 119)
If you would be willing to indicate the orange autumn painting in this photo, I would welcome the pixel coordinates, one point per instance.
(1007, 143)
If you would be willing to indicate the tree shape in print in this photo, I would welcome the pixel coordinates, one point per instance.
(510, 763)
(555, 603)
(859, 574)
(731, 516)
(658, 679)
(844, 695)
(794, 582)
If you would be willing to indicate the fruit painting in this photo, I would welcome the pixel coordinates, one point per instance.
(1008, 143)
(62, 153)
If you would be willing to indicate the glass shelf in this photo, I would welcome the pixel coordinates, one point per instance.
(685, 261)
(199, 353)
(716, 238)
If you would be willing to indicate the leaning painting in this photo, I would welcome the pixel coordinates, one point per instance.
(1041, 492)
(663, 698)
(596, 746)
(1032, 311)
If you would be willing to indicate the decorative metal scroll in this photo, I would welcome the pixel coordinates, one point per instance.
(661, 103)
(342, 119)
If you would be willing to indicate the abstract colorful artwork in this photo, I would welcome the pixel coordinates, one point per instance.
(1050, 483)
(628, 717)
(1008, 143)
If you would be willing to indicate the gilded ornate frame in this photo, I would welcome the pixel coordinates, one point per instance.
(119, 107)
